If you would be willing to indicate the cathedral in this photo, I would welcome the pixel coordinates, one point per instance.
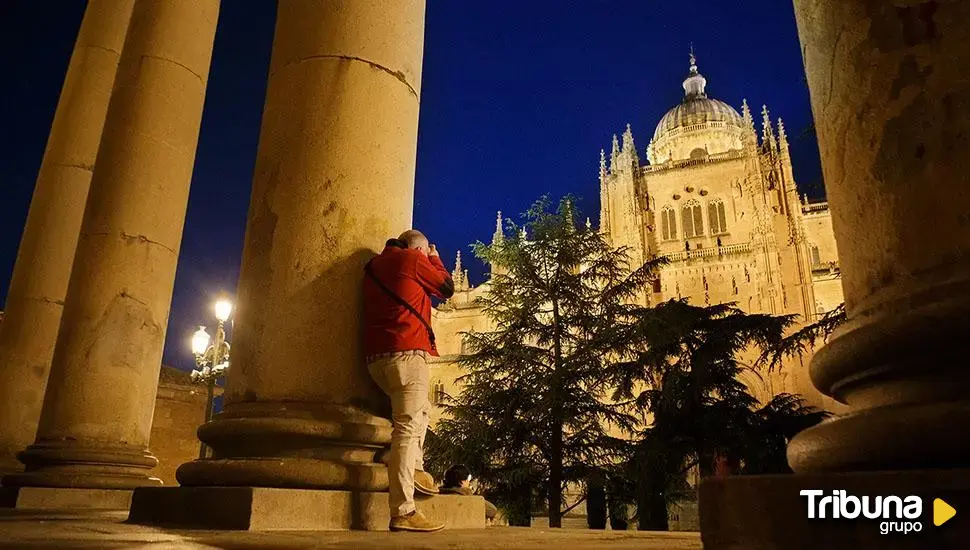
(722, 206)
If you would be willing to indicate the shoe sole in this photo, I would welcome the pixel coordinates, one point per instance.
(417, 529)
(425, 491)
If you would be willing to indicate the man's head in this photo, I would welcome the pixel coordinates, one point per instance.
(458, 476)
(415, 239)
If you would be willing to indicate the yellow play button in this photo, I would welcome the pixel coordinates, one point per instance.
(942, 512)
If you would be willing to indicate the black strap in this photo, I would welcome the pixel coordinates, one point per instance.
(401, 301)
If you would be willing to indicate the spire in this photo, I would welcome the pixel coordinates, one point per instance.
(614, 154)
(767, 133)
(570, 224)
(464, 280)
(695, 83)
(750, 136)
(589, 224)
(746, 113)
(498, 236)
(782, 138)
(458, 276)
(602, 166)
(628, 140)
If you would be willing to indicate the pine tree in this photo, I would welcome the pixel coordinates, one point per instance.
(684, 372)
(534, 402)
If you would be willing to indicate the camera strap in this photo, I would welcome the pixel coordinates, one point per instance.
(370, 273)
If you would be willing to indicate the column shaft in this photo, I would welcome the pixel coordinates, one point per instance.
(95, 425)
(892, 107)
(334, 179)
(40, 276)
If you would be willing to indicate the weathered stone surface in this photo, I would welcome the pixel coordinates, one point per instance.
(94, 429)
(767, 512)
(334, 179)
(107, 530)
(892, 108)
(35, 300)
(179, 411)
(62, 498)
(266, 509)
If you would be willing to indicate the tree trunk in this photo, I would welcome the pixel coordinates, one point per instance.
(595, 502)
(652, 506)
(555, 446)
(555, 477)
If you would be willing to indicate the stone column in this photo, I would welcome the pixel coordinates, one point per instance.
(891, 101)
(334, 179)
(40, 276)
(94, 428)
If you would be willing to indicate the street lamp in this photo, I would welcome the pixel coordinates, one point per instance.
(213, 361)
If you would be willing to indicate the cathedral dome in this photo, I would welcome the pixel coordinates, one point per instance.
(697, 110)
(698, 126)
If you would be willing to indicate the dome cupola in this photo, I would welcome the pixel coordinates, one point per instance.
(699, 126)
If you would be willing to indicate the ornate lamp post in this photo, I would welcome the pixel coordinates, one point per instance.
(213, 361)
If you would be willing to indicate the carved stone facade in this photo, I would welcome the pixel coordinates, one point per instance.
(723, 207)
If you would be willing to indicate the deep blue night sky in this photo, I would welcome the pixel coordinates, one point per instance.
(518, 97)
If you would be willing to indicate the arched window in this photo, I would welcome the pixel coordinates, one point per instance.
(716, 218)
(693, 219)
(668, 223)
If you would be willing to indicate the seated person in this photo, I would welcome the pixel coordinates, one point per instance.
(458, 480)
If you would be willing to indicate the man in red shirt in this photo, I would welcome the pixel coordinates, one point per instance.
(398, 340)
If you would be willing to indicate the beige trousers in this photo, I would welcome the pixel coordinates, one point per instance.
(405, 378)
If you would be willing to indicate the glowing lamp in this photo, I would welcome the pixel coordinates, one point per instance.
(200, 341)
(223, 310)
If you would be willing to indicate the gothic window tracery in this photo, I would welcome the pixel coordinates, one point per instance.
(668, 223)
(717, 219)
(692, 219)
(816, 258)
(437, 392)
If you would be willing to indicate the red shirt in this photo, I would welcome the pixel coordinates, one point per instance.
(388, 326)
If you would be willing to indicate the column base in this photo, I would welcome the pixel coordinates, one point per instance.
(768, 513)
(60, 498)
(77, 465)
(9, 466)
(267, 509)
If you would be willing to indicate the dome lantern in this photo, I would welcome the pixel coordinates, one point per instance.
(695, 83)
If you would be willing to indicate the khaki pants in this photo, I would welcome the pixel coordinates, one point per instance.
(405, 378)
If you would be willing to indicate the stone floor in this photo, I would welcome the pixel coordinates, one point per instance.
(25, 529)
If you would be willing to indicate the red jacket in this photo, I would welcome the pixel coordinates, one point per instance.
(388, 326)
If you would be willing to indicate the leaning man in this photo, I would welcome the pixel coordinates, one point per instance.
(398, 286)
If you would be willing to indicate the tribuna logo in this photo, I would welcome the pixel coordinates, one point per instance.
(840, 505)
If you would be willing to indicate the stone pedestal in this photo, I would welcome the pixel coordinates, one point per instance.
(263, 509)
(334, 180)
(60, 498)
(32, 313)
(95, 425)
(767, 512)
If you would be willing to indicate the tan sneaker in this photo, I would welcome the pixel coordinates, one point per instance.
(415, 521)
(424, 483)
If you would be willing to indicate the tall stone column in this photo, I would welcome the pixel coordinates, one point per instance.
(94, 428)
(334, 179)
(892, 107)
(891, 99)
(40, 276)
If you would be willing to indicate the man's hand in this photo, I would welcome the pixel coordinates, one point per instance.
(433, 251)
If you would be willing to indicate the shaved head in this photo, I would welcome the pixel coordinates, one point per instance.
(414, 239)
